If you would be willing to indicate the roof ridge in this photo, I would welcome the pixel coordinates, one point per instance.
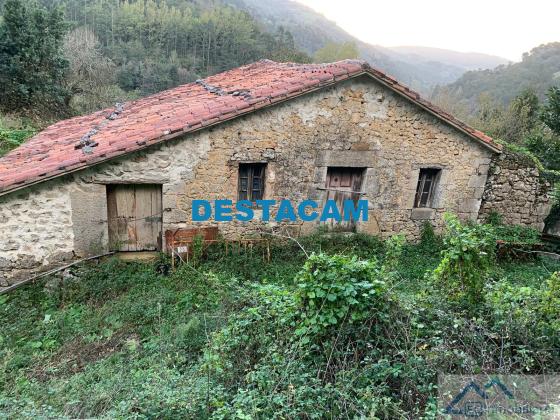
(140, 123)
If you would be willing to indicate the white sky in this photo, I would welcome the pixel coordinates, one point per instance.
(499, 27)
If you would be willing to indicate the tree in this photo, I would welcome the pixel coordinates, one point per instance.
(523, 115)
(32, 65)
(335, 52)
(91, 76)
(550, 114)
(282, 47)
(513, 123)
(544, 140)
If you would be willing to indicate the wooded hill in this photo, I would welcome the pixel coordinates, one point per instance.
(538, 71)
(97, 52)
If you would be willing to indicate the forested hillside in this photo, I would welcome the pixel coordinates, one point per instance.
(518, 104)
(107, 51)
(65, 57)
(538, 71)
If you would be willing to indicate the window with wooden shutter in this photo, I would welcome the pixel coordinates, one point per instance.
(251, 181)
(427, 183)
(343, 184)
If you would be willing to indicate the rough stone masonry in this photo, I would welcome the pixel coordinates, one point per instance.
(517, 191)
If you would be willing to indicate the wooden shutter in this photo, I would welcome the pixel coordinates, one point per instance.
(342, 184)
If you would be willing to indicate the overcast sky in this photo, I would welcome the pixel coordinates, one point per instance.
(499, 27)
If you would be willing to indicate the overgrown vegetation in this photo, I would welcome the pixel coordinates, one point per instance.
(360, 328)
(10, 138)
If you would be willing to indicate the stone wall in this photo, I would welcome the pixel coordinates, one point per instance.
(516, 190)
(357, 123)
(35, 230)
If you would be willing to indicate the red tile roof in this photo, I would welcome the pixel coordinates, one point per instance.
(62, 147)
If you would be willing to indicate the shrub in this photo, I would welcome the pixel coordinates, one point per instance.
(335, 289)
(549, 306)
(393, 252)
(517, 234)
(495, 219)
(428, 237)
(468, 252)
(529, 318)
(12, 138)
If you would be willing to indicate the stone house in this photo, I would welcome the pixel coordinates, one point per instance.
(120, 178)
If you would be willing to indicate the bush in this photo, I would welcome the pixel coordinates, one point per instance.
(529, 318)
(468, 252)
(336, 289)
(549, 306)
(393, 252)
(428, 237)
(12, 138)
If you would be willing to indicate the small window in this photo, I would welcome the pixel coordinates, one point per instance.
(251, 181)
(427, 183)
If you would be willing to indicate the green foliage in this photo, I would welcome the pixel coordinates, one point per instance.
(119, 51)
(537, 72)
(513, 116)
(551, 111)
(12, 138)
(121, 340)
(197, 250)
(495, 218)
(468, 252)
(517, 234)
(546, 147)
(393, 251)
(362, 245)
(91, 77)
(550, 302)
(534, 310)
(513, 122)
(428, 237)
(157, 45)
(32, 65)
(336, 289)
(336, 52)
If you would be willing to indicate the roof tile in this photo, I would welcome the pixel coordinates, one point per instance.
(185, 108)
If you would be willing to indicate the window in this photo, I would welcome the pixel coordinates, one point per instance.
(251, 181)
(343, 184)
(427, 183)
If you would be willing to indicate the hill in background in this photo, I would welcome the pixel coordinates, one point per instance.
(421, 68)
(464, 60)
(538, 71)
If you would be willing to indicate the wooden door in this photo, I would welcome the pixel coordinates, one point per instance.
(343, 184)
(134, 217)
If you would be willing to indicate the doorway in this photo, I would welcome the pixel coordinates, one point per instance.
(134, 217)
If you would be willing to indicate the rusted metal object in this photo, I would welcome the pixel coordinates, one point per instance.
(180, 242)
(179, 237)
